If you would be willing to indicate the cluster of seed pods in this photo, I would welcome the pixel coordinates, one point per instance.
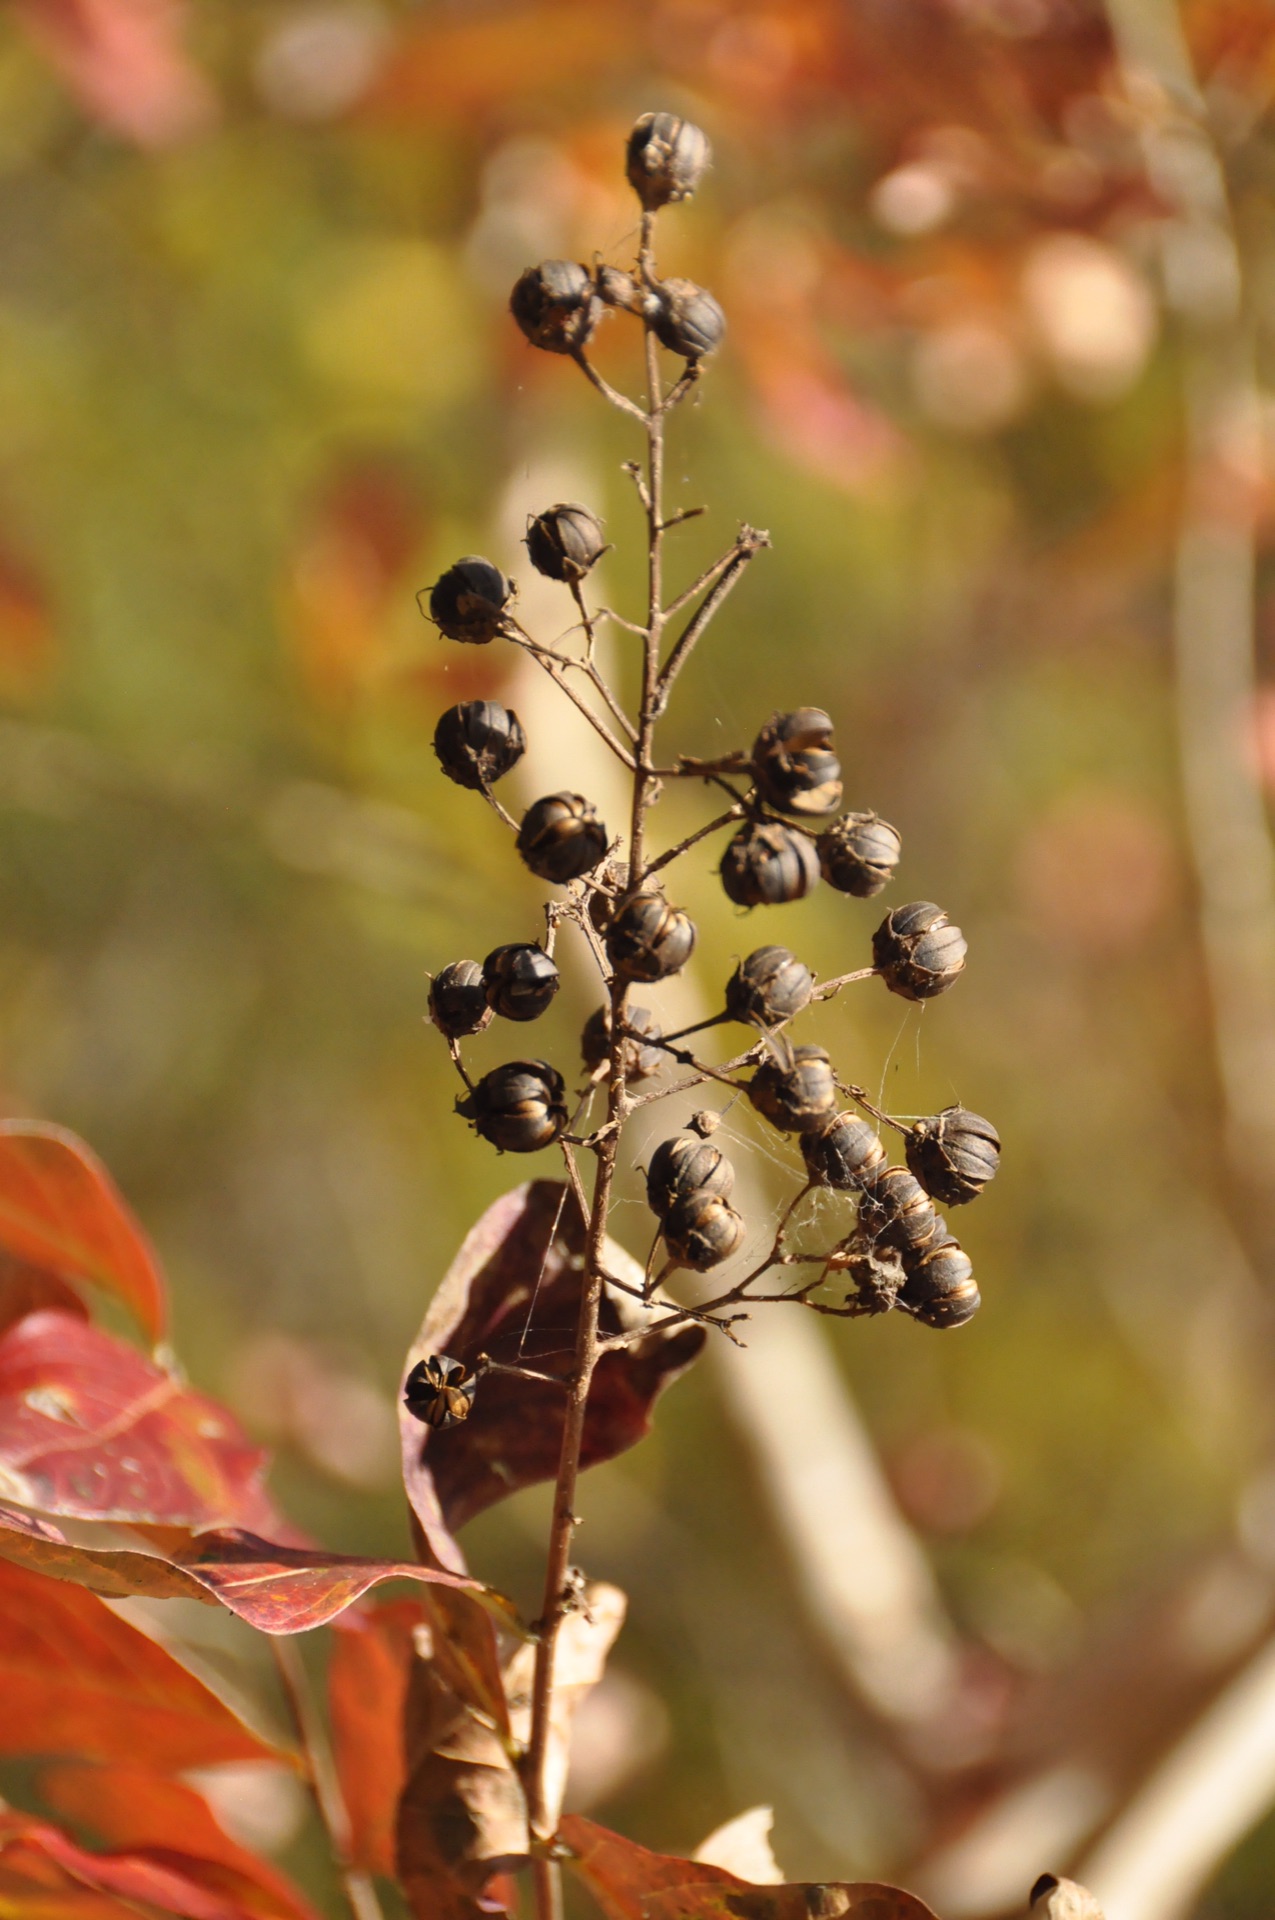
(790, 835)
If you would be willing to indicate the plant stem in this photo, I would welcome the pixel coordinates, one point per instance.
(322, 1780)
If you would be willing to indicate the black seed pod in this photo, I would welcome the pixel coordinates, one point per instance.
(898, 1212)
(918, 951)
(799, 1098)
(665, 159)
(518, 1107)
(647, 939)
(683, 1164)
(701, 1230)
(768, 864)
(769, 986)
(439, 1391)
(640, 1061)
(478, 743)
(794, 764)
(519, 981)
(556, 305)
(954, 1154)
(561, 837)
(687, 320)
(457, 1002)
(940, 1288)
(565, 541)
(846, 1153)
(468, 601)
(859, 853)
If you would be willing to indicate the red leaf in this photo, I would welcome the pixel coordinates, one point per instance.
(140, 1812)
(45, 1874)
(513, 1292)
(76, 1679)
(60, 1210)
(91, 1429)
(630, 1883)
(367, 1693)
(25, 1289)
(124, 61)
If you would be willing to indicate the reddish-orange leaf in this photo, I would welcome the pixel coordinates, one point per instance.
(631, 1883)
(76, 1679)
(136, 1811)
(60, 1209)
(367, 1693)
(44, 1873)
(91, 1429)
(125, 63)
(25, 1289)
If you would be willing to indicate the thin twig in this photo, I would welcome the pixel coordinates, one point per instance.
(701, 833)
(751, 541)
(604, 387)
(322, 1778)
(556, 667)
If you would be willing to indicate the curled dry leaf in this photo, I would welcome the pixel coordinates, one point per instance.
(92, 1430)
(742, 1846)
(630, 1883)
(61, 1212)
(513, 1293)
(132, 1810)
(76, 1679)
(585, 1638)
(1055, 1899)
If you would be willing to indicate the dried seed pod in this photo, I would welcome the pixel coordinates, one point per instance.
(640, 1061)
(565, 541)
(918, 951)
(665, 159)
(702, 1229)
(898, 1212)
(457, 1001)
(954, 1154)
(795, 765)
(468, 601)
(769, 986)
(561, 837)
(1055, 1899)
(647, 939)
(478, 743)
(439, 1391)
(705, 1123)
(859, 853)
(519, 1107)
(615, 876)
(556, 305)
(687, 320)
(520, 980)
(799, 1098)
(940, 1288)
(768, 864)
(846, 1153)
(619, 289)
(682, 1164)
(875, 1276)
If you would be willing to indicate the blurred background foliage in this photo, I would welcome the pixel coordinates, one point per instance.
(258, 385)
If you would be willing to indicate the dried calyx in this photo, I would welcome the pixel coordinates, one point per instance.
(556, 305)
(647, 939)
(665, 159)
(795, 765)
(564, 541)
(468, 602)
(520, 981)
(917, 951)
(561, 837)
(799, 1095)
(768, 864)
(439, 1391)
(768, 987)
(458, 1000)
(858, 854)
(519, 1107)
(478, 743)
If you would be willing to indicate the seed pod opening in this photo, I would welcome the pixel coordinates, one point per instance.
(795, 765)
(457, 1000)
(556, 305)
(702, 1229)
(665, 158)
(647, 939)
(619, 289)
(478, 743)
(918, 951)
(686, 1163)
(468, 601)
(687, 320)
(940, 1288)
(519, 980)
(846, 1153)
(519, 1107)
(561, 837)
(799, 1098)
(768, 987)
(875, 1275)
(897, 1212)
(954, 1154)
(640, 1061)
(439, 1391)
(768, 864)
(564, 541)
(859, 853)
